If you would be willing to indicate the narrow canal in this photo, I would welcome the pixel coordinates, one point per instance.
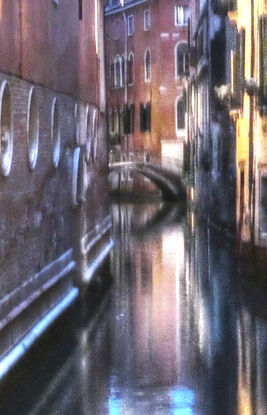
(177, 332)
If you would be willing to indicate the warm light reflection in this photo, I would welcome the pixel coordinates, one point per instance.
(244, 402)
(192, 221)
(192, 193)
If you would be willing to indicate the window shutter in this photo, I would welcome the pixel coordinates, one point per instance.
(181, 114)
(132, 112)
(263, 64)
(142, 127)
(148, 116)
(187, 63)
(239, 70)
(126, 120)
(80, 9)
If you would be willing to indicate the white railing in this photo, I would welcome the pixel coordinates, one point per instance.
(167, 163)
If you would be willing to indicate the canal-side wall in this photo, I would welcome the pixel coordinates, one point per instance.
(52, 107)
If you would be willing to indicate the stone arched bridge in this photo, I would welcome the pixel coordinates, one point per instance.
(168, 180)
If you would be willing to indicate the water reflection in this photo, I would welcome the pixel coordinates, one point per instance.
(179, 333)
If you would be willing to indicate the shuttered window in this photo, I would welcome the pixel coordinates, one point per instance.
(181, 59)
(238, 70)
(263, 64)
(129, 113)
(80, 9)
(132, 113)
(130, 69)
(112, 74)
(263, 225)
(145, 117)
(180, 115)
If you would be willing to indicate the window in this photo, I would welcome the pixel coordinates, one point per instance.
(117, 122)
(122, 122)
(200, 44)
(147, 66)
(112, 74)
(122, 71)
(129, 115)
(180, 114)
(117, 30)
(263, 64)
(33, 128)
(238, 70)
(55, 132)
(131, 69)
(263, 210)
(117, 72)
(180, 15)
(132, 113)
(111, 122)
(181, 60)
(6, 138)
(145, 117)
(130, 25)
(80, 9)
(147, 20)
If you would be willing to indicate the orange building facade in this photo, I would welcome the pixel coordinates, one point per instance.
(147, 68)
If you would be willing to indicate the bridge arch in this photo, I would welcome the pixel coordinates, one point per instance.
(170, 183)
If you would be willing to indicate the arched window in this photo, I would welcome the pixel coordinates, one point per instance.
(181, 60)
(112, 74)
(33, 128)
(6, 136)
(180, 114)
(131, 69)
(147, 66)
(122, 71)
(117, 72)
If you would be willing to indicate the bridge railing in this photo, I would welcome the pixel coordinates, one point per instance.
(168, 163)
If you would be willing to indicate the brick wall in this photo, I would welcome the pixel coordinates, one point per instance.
(163, 90)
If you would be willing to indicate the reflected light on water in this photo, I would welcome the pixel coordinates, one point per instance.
(192, 221)
(182, 401)
(114, 406)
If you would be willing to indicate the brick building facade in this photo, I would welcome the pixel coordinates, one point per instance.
(145, 96)
(53, 161)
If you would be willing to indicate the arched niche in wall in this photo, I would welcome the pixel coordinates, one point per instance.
(33, 128)
(91, 134)
(6, 133)
(55, 132)
(76, 123)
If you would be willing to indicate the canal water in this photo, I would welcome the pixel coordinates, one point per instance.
(178, 331)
